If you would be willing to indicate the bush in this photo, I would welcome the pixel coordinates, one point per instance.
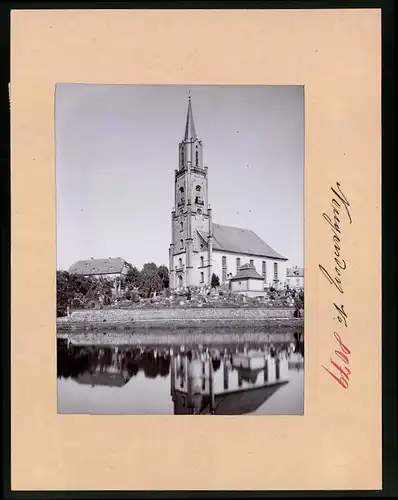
(61, 310)
(215, 281)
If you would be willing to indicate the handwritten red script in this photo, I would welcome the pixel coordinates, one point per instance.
(340, 208)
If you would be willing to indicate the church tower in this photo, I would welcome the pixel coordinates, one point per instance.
(190, 255)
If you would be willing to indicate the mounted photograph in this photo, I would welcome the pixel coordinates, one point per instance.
(180, 249)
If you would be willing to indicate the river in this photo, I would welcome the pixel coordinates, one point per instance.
(229, 378)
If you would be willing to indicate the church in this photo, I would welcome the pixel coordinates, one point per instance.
(199, 247)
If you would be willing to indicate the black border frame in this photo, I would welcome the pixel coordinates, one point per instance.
(389, 250)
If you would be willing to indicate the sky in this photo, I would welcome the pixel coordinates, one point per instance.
(116, 149)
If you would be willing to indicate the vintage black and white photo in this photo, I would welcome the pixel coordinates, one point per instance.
(180, 266)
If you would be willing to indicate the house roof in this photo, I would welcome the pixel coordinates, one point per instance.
(245, 400)
(293, 272)
(240, 241)
(247, 271)
(98, 266)
(237, 402)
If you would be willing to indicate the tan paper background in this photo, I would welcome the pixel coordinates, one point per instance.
(336, 55)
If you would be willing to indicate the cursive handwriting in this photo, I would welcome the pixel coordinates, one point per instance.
(334, 222)
(338, 369)
(341, 352)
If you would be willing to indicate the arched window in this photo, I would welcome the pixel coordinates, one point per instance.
(202, 262)
(181, 226)
(198, 198)
(181, 194)
(181, 244)
(224, 268)
(197, 157)
(180, 262)
(202, 277)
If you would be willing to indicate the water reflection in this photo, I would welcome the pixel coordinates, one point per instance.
(202, 380)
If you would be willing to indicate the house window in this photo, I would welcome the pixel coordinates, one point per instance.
(264, 269)
(298, 281)
(202, 277)
(275, 271)
(224, 268)
(237, 264)
(181, 226)
(202, 262)
(181, 244)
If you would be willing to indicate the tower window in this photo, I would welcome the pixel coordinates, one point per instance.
(181, 226)
(202, 277)
(181, 244)
(197, 157)
(202, 262)
(198, 188)
(251, 262)
(181, 194)
(180, 262)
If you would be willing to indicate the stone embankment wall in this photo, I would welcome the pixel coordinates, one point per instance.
(122, 319)
(131, 315)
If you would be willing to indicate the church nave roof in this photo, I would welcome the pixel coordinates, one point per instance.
(241, 241)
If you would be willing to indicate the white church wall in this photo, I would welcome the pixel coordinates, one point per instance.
(245, 259)
(239, 286)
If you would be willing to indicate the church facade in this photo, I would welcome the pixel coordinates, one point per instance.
(199, 247)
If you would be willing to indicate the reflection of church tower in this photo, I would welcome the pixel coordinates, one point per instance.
(190, 252)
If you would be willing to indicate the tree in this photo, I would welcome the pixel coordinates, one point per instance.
(132, 278)
(150, 281)
(65, 292)
(215, 281)
(163, 274)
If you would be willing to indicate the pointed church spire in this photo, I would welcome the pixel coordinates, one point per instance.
(190, 132)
